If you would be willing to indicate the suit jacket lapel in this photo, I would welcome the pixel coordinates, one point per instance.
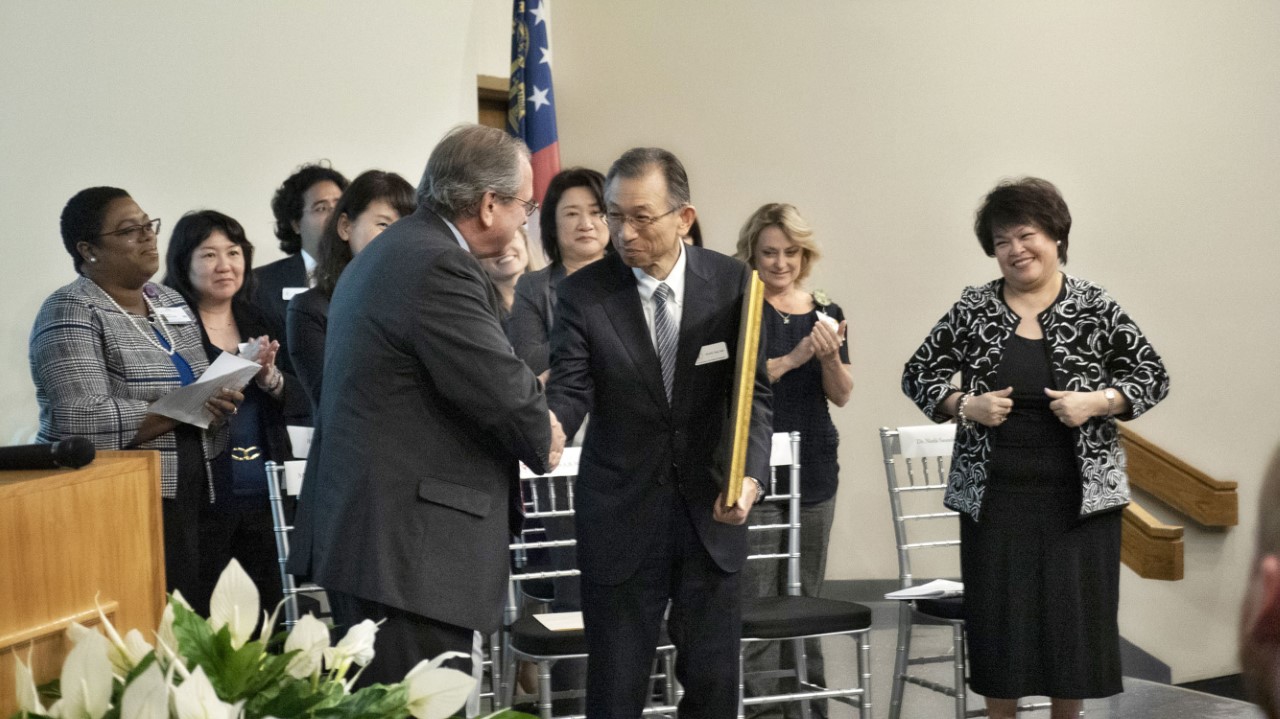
(695, 312)
(623, 308)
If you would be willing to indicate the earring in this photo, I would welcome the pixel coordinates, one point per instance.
(93, 259)
(1059, 243)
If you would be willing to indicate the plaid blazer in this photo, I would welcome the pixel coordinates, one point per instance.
(96, 373)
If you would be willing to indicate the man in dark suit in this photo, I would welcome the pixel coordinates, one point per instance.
(302, 206)
(411, 491)
(644, 340)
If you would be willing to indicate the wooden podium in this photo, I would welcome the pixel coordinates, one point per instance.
(68, 535)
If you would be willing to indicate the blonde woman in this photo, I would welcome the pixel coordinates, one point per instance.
(808, 362)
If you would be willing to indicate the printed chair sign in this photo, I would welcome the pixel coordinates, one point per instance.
(744, 385)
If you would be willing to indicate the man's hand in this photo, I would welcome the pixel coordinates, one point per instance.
(737, 514)
(557, 442)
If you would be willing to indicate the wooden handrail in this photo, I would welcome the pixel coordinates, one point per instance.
(1208, 501)
(1150, 547)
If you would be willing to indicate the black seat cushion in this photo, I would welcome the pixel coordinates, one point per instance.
(949, 608)
(781, 617)
(532, 637)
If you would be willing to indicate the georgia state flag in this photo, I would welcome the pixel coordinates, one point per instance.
(531, 110)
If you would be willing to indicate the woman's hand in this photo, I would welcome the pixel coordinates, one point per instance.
(802, 353)
(266, 356)
(223, 404)
(826, 342)
(990, 409)
(1075, 408)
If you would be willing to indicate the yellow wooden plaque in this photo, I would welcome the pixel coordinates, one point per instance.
(744, 385)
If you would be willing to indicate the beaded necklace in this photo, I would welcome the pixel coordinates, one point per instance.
(148, 333)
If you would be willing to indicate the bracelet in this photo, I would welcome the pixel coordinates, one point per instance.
(277, 379)
(965, 422)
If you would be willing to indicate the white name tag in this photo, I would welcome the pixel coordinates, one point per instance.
(175, 315)
(287, 293)
(712, 353)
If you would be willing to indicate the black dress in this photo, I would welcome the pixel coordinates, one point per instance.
(800, 403)
(1042, 585)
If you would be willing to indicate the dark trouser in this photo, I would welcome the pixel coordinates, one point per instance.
(768, 578)
(240, 528)
(403, 639)
(181, 516)
(623, 623)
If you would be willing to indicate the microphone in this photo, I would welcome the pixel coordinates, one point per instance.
(72, 452)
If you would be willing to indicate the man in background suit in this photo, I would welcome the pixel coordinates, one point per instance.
(302, 205)
(1260, 615)
(411, 493)
(644, 340)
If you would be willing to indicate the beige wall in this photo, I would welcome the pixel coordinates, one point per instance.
(210, 106)
(885, 122)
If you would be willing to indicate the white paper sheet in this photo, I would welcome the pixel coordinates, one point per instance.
(293, 471)
(937, 589)
(186, 404)
(930, 440)
(561, 621)
(300, 439)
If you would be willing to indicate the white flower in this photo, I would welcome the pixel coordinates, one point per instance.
(86, 679)
(437, 692)
(147, 697)
(356, 646)
(234, 604)
(27, 694)
(310, 637)
(196, 699)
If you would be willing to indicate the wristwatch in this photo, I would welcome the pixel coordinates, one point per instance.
(1110, 394)
(759, 490)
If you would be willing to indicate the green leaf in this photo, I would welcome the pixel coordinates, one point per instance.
(373, 702)
(292, 698)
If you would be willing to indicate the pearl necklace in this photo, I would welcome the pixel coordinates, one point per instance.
(147, 333)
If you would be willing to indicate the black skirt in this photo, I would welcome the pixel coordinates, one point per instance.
(1042, 585)
(1042, 588)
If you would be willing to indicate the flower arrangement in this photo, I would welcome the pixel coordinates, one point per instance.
(215, 669)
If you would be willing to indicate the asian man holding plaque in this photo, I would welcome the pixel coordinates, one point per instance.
(645, 341)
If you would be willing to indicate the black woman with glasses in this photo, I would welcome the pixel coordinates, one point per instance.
(108, 345)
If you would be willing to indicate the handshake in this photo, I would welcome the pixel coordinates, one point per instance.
(557, 442)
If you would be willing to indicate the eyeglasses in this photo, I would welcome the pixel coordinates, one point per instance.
(529, 206)
(136, 233)
(618, 219)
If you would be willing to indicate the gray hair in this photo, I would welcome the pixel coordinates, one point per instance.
(638, 161)
(469, 161)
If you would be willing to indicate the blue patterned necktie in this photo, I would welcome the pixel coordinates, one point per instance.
(667, 335)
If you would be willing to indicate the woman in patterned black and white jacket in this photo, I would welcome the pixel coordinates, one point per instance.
(106, 346)
(1046, 363)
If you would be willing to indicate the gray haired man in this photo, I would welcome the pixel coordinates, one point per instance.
(411, 492)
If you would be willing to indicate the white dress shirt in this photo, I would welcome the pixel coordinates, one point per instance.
(462, 241)
(647, 285)
(309, 264)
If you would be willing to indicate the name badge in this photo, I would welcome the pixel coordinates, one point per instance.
(712, 353)
(175, 315)
(288, 293)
